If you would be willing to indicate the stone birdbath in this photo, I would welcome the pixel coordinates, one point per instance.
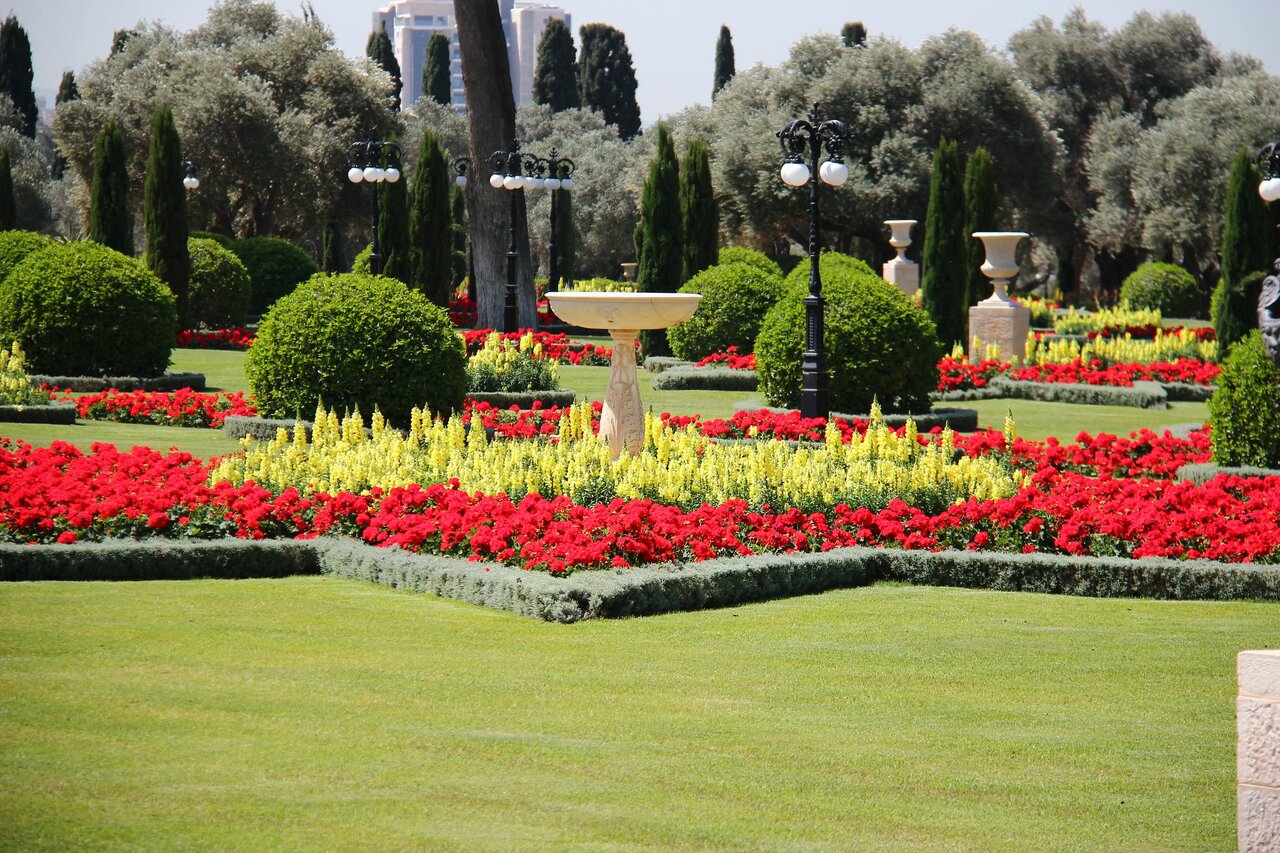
(623, 315)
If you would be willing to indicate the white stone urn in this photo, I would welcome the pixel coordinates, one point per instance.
(900, 271)
(623, 315)
(629, 272)
(1002, 260)
(900, 239)
(999, 319)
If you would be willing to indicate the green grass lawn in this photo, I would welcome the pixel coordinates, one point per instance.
(223, 369)
(313, 713)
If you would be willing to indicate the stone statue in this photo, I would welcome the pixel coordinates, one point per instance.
(1269, 314)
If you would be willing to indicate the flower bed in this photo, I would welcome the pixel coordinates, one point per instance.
(238, 338)
(184, 407)
(552, 345)
(959, 374)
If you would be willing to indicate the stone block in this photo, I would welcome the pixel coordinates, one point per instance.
(1258, 750)
(1259, 673)
(904, 274)
(1258, 820)
(1001, 322)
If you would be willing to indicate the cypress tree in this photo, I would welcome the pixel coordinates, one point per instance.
(165, 211)
(555, 80)
(120, 40)
(458, 232)
(945, 251)
(699, 215)
(109, 220)
(378, 48)
(393, 222)
(67, 91)
(1246, 246)
(16, 75)
(566, 236)
(437, 77)
(331, 247)
(724, 60)
(661, 254)
(854, 34)
(606, 78)
(431, 224)
(8, 204)
(979, 215)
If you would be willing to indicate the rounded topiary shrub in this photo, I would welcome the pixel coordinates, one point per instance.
(832, 262)
(1167, 288)
(879, 344)
(221, 239)
(81, 309)
(275, 267)
(735, 299)
(220, 288)
(1245, 410)
(16, 245)
(743, 255)
(356, 340)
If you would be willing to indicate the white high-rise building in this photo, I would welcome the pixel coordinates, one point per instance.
(410, 23)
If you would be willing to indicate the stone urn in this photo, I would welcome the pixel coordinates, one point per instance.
(629, 272)
(623, 315)
(900, 271)
(999, 319)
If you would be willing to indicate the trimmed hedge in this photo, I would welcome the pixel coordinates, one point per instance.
(161, 559)
(237, 427)
(705, 379)
(15, 246)
(1141, 395)
(167, 382)
(751, 257)
(1166, 287)
(52, 413)
(275, 267)
(1200, 473)
(524, 399)
(1245, 411)
(735, 299)
(659, 363)
(959, 419)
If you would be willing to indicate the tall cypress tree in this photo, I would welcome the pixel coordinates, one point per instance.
(67, 91)
(458, 234)
(431, 224)
(699, 214)
(165, 211)
(555, 80)
(379, 49)
(854, 34)
(566, 237)
(16, 75)
(724, 60)
(331, 247)
(393, 222)
(109, 220)
(979, 215)
(945, 252)
(606, 78)
(8, 204)
(1247, 237)
(437, 76)
(661, 265)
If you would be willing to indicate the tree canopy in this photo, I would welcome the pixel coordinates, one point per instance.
(555, 78)
(606, 78)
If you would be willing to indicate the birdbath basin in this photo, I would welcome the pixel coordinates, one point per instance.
(623, 315)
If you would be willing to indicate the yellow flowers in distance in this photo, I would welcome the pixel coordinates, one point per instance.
(16, 388)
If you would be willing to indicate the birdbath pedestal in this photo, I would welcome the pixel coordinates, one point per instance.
(623, 315)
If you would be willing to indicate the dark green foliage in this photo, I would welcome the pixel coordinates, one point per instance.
(120, 40)
(15, 246)
(566, 237)
(1234, 308)
(437, 77)
(275, 267)
(879, 345)
(1245, 410)
(158, 559)
(393, 224)
(854, 34)
(82, 308)
(699, 214)
(220, 288)
(431, 224)
(331, 247)
(165, 212)
(661, 261)
(606, 78)
(743, 255)
(458, 232)
(356, 340)
(16, 74)
(944, 280)
(979, 215)
(724, 60)
(110, 222)
(221, 239)
(735, 299)
(67, 89)
(1167, 288)
(555, 79)
(8, 204)
(379, 49)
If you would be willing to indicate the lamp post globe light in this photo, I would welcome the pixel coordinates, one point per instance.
(1269, 298)
(189, 178)
(560, 171)
(367, 157)
(804, 139)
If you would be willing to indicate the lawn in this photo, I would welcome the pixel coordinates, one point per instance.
(320, 713)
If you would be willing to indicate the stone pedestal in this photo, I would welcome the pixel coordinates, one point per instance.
(1002, 321)
(622, 419)
(903, 273)
(1258, 751)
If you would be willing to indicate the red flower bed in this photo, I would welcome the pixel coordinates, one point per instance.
(1190, 370)
(238, 338)
(730, 358)
(184, 407)
(555, 345)
(957, 374)
(462, 311)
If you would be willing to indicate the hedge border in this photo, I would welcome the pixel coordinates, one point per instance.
(1203, 472)
(525, 399)
(1141, 395)
(237, 427)
(960, 419)
(677, 378)
(160, 559)
(45, 413)
(168, 382)
(659, 363)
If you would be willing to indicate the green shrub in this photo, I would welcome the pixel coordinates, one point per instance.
(879, 344)
(16, 245)
(1235, 311)
(743, 255)
(221, 239)
(84, 309)
(356, 340)
(360, 263)
(1245, 410)
(220, 287)
(1167, 288)
(735, 299)
(275, 267)
(508, 366)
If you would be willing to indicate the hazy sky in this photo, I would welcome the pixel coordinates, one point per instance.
(671, 41)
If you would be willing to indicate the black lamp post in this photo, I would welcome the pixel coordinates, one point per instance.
(560, 169)
(1269, 298)
(804, 139)
(462, 165)
(509, 169)
(367, 157)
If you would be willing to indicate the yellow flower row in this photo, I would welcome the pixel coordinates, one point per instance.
(1165, 346)
(1119, 317)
